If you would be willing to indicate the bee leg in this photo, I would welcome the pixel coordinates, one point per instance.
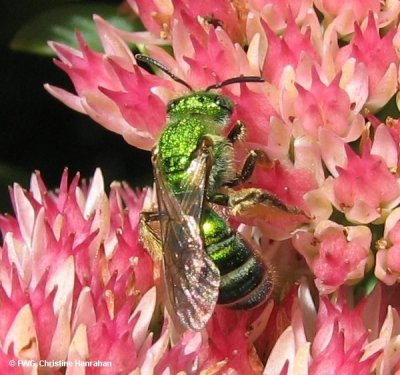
(253, 158)
(219, 198)
(237, 132)
(252, 197)
(244, 201)
(205, 147)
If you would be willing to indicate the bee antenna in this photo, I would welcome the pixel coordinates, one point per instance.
(156, 63)
(239, 79)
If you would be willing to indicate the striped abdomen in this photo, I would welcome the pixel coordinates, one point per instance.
(245, 279)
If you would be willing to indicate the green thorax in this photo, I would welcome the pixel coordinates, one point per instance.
(190, 119)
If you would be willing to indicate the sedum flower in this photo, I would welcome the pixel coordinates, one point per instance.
(364, 187)
(387, 257)
(77, 286)
(336, 254)
(336, 337)
(344, 15)
(73, 275)
(367, 47)
(331, 74)
(326, 106)
(94, 76)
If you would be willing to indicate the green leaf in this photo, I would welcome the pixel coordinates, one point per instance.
(60, 24)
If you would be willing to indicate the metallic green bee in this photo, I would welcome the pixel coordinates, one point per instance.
(205, 260)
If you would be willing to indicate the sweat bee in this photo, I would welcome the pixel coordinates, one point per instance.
(205, 261)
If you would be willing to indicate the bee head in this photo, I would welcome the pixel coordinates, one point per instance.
(201, 103)
(205, 103)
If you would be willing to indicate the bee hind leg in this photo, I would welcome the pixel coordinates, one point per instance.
(258, 202)
(219, 199)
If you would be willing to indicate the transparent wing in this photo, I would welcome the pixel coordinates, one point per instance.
(192, 279)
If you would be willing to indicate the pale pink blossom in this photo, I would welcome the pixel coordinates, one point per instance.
(379, 56)
(277, 14)
(335, 338)
(364, 186)
(335, 253)
(158, 16)
(325, 106)
(387, 266)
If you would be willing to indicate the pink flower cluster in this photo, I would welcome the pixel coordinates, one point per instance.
(71, 274)
(77, 287)
(331, 70)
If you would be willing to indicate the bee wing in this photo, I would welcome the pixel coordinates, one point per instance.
(195, 186)
(192, 279)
